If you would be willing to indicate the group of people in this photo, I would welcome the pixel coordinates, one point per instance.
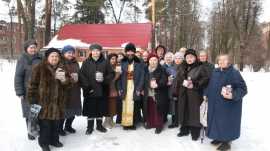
(130, 89)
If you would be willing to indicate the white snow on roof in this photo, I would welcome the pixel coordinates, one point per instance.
(56, 43)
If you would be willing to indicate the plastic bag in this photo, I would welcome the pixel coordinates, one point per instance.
(203, 117)
(203, 113)
(32, 125)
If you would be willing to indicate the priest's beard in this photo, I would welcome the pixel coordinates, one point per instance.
(130, 58)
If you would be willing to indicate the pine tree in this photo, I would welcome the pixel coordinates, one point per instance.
(89, 11)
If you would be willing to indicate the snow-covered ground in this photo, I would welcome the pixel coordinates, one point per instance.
(255, 125)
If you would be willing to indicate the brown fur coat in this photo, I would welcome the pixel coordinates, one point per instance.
(47, 91)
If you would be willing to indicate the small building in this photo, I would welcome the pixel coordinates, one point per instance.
(112, 37)
(14, 38)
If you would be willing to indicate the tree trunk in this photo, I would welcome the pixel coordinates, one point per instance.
(27, 14)
(48, 15)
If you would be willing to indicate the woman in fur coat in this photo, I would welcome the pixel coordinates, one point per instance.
(48, 84)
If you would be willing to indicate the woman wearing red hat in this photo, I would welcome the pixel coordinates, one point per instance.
(155, 99)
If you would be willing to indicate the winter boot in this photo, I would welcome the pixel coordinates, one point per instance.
(158, 130)
(100, 127)
(90, 127)
(112, 124)
(195, 133)
(225, 146)
(133, 127)
(106, 123)
(45, 148)
(68, 126)
(57, 144)
(174, 122)
(30, 137)
(184, 131)
(60, 129)
(215, 142)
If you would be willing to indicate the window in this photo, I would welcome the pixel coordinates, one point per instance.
(82, 53)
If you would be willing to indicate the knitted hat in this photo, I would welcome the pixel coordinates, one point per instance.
(179, 55)
(152, 55)
(68, 48)
(29, 43)
(130, 47)
(95, 46)
(51, 50)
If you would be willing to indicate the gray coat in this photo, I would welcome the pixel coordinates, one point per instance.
(23, 75)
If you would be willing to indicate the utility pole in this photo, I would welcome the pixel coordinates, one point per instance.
(153, 24)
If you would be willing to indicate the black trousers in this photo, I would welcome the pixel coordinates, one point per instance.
(119, 111)
(67, 122)
(137, 116)
(195, 131)
(48, 132)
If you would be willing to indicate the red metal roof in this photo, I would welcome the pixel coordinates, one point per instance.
(108, 35)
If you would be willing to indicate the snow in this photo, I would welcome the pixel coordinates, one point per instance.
(56, 43)
(254, 125)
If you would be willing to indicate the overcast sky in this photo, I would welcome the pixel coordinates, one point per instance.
(206, 7)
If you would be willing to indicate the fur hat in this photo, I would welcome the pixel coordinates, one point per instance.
(190, 52)
(51, 50)
(130, 47)
(95, 46)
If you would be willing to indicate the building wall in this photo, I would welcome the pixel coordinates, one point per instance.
(17, 38)
(83, 53)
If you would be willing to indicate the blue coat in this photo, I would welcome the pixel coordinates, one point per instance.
(138, 77)
(224, 116)
(22, 77)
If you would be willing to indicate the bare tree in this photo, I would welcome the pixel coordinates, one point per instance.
(245, 15)
(178, 24)
(111, 6)
(233, 29)
(26, 11)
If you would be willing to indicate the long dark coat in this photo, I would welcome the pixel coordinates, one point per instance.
(95, 93)
(73, 103)
(47, 91)
(87, 77)
(190, 99)
(224, 116)
(139, 70)
(22, 77)
(160, 97)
